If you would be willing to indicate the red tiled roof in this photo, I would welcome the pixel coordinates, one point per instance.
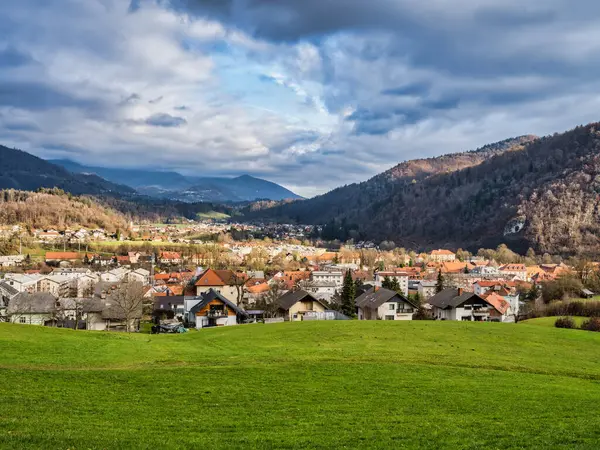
(62, 255)
(497, 301)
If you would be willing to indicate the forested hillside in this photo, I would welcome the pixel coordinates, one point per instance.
(55, 209)
(544, 195)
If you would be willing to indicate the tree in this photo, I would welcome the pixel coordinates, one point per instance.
(391, 283)
(348, 295)
(439, 286)
(239, 281)
(128, 300)
(268, 302)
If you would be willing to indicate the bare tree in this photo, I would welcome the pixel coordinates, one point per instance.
(268, 302)
(239, 281)
(128, 300)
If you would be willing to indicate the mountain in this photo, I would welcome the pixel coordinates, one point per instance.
(542, 193)
(131, 177)
(352, 202)
(174, 186)
(23, 171)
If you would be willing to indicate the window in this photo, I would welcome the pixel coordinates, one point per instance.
(467, 307)
(22, 320)
(392, 306)
(389, 317)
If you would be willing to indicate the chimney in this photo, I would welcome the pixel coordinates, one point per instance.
(460, 292)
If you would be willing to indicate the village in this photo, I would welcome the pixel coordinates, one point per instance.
(235, 282)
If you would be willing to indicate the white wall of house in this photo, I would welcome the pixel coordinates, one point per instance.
(320, 276)
(30, 319)
(229, 292)
(202, 321)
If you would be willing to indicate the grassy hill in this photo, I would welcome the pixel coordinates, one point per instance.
(549, 321)
(303, 385)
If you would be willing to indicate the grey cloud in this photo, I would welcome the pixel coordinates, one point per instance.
(11, 57)
(165, 120)
(39, 96)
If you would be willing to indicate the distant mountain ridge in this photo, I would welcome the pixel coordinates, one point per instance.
(24, 171)
(174, 186)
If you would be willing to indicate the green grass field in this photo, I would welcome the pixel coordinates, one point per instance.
(442, 385)
(549, 321)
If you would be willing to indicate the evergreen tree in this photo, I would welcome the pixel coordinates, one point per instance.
(466, 270)
(386, 283)
(439, 287)
(348, 295)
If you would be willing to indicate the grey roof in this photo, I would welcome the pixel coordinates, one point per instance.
(177, 300)
(586, 292)
(8, 290)
(36, 303)
(450, 298)
(374, 298)
(289, 299)
(211, 295)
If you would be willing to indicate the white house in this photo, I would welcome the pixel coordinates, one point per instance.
(456, 304)
(426, 288)
(384, 304)
(22, 282)
(38, 308)
(514, 271)
(326, 276)
(214, 310)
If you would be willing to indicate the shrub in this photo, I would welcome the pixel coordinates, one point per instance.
(564, 322)
(422, 314)
(573, 308)
(592, 324)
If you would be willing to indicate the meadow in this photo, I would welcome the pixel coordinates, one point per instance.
(302, 385)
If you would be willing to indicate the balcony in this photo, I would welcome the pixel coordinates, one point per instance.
(481, 311)
(216, 313)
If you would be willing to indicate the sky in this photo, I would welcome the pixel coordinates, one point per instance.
(311, 94)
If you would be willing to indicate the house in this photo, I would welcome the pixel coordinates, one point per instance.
(214, 310)
(442, 255)
(61, 257)
(71, 272)
(223, 282)
(384, 304)
(456, 304)
(501, 310)
(323, 290)
(39, 308)
(140, 275)
(123, 260)
(514, 271)
(173, 303)
(506, 289)
(11, 260)
(7, 293)
(399, 274)
(426, 288)
(294, 304)
(115, 275)
(57, 285)
(335, 277)
(103, 313)
(586, 293)
(170, 258)
(22, 282)
(134, 257)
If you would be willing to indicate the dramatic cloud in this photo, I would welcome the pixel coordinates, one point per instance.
(312, 94)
